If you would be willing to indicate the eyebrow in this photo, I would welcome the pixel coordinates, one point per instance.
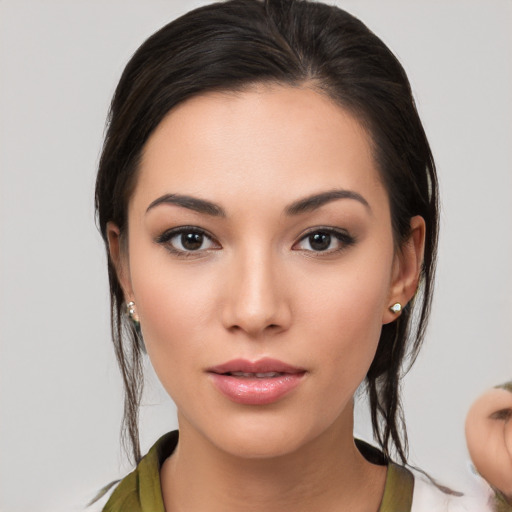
(315, 201)
(192, 203)
(304, 205)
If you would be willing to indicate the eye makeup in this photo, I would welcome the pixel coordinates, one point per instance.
(321, 239)
(193, 241)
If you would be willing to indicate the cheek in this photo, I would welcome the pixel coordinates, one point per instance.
(174, 307)
(343, 318)
(171, 308)
(351, 299)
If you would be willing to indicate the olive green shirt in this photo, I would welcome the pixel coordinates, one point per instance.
(140, 491)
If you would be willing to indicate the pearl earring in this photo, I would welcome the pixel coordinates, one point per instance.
(396, 308)
(132, 313)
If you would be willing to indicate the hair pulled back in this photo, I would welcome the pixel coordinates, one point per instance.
(235, 44)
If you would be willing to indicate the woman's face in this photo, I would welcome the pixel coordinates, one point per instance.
(261, 260)
(489, 438)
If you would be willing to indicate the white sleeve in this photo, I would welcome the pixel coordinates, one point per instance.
(427, 497)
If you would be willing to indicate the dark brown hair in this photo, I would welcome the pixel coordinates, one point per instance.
(238, 43)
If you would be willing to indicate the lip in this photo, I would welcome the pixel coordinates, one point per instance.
(255, 390)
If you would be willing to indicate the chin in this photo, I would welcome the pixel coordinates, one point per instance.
(260, 437)
(260, 446)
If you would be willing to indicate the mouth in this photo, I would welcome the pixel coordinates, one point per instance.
(255, 383)
(263, 368)
(258, 375)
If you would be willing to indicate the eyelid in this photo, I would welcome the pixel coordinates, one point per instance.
(344, 237)
(169, 234)
(502, 414)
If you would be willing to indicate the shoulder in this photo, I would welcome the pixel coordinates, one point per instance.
(119, 495)
(126, 496)
(140, 490)
(429, 496)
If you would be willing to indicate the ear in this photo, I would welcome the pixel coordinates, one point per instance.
(406, 269)
(119, 256)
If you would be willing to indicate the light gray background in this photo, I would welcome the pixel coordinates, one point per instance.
(61, 396)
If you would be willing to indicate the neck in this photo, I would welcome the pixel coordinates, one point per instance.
(326, 474)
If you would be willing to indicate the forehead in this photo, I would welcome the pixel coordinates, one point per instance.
(267, 142)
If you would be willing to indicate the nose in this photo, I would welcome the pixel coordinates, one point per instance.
(256, 301)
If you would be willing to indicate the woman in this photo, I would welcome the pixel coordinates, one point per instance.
(268, 200)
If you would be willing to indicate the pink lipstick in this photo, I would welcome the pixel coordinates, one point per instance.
(255, 383)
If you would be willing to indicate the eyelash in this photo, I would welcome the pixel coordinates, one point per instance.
(342, 236)
(165, 238)
(503, 414)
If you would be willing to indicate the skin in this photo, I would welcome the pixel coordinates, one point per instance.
(257, 288)
(489, 438)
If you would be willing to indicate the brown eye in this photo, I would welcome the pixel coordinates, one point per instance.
(320, 241)
(325, 240)
(191, 241)
(185, 240)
